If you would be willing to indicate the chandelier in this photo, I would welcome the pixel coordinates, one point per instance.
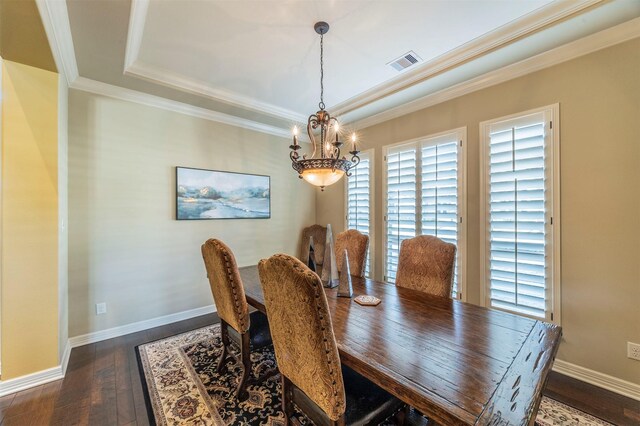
(325, 166)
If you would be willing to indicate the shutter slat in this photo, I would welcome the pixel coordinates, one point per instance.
(517, 218)
(439, 179)
(359, 201)
(401, 196)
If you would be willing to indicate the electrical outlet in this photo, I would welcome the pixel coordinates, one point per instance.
(101, 308)
(633, 351)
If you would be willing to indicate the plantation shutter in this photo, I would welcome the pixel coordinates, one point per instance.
(440, 188)
(518, 197)
(359, 201)
(401, 203)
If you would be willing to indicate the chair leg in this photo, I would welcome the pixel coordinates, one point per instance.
(224, 337)
(245, 354)
(402, 415)
(287, 405)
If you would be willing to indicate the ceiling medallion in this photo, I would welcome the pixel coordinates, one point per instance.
(324, 167)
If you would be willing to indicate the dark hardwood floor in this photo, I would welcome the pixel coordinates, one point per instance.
(103, 387)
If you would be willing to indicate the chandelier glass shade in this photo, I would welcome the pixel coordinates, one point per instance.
(324, 166)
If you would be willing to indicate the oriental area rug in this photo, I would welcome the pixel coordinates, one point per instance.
(182, 386)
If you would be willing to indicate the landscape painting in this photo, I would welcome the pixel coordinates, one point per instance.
(210, 194)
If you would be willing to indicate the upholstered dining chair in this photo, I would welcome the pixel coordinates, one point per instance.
(426, 263)
(312, 376)
(319, 234)
(246, 330)
(357, 246)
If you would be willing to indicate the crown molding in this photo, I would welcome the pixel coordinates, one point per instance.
(55, 20)
(172, 80)
(504, 35)
(137, 21)
(589, 44)
(117, 92)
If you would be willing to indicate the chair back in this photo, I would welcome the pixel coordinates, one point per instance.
(226, 284)
(319, 234)
(302, 332)
(426, 263)
(357, 245)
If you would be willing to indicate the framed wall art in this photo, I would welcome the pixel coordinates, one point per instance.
(212, 194)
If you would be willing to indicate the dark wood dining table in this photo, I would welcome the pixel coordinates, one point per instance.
(458, 363)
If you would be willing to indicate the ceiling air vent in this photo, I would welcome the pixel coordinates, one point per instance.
(405, 61)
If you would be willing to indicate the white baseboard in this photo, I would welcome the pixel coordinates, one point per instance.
(614, 384)
(30, 380)
(110, 333)
(56, 373)
(65, 357)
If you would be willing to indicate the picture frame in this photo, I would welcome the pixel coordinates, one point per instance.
(203, 194)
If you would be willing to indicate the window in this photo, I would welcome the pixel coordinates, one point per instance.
(425, 196)
(520, 213)
(360, 201)
(400, 214)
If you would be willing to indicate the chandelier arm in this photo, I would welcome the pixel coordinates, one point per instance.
(310, 123)
(336, 151)
(355, 160)
(324, 133)
(323, 141)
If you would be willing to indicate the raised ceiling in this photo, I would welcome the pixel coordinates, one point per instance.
(266, 52)
(259, 60)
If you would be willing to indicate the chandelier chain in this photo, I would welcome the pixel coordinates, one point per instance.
(321, 104)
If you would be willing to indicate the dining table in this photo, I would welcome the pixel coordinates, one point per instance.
(457, 363)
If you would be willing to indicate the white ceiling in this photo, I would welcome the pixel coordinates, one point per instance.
(258, 61)
(267, 51)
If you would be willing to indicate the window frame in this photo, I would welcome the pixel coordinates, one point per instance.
(551, 114)
(370, 153)
(418, 144)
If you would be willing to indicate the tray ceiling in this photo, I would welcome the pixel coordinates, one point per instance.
(267, 51)
(259, 60)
